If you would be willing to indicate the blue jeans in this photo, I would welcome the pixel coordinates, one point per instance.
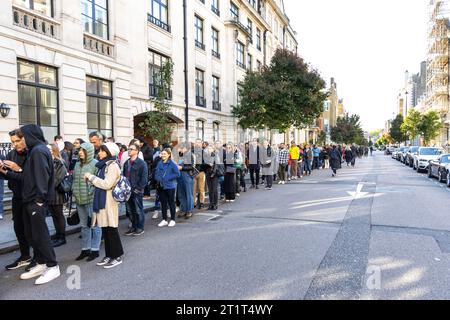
(2, 190)
(307, 166)
(222, 186)
(90, 236)
(135, 208)
(185, 192)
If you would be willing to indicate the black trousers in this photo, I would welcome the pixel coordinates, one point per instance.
(113, 245)
(19, 227)
(167, 198)
(59, 221)
(239, 173)
(269, 181)
(254, 169)
(36, 230)
(213, 190)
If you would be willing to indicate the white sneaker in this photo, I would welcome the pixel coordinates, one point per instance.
(156, 215)
(238, 194)
(172, 223)
(280, 182)
(49, 275)
(34, 272)
(163, 224)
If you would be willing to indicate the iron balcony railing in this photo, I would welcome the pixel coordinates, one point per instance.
(154, 90)
(200, 101)
(158, 23)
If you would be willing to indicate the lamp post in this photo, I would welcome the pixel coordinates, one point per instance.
(4, 110)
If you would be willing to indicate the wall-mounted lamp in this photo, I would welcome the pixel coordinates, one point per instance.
(4, 110)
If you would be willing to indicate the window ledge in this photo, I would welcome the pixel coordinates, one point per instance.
(98, 45)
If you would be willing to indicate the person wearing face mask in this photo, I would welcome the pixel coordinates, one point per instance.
(185, 190)
(267, 155)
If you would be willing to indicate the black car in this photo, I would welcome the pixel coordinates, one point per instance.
(440, 169)
(409, 160)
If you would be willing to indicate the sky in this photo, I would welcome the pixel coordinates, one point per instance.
(366, 45)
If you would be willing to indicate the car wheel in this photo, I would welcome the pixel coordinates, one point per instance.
(429, 173)
(439, 176)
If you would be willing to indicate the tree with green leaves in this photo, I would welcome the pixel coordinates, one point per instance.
(430, 126)
(348, 130)
(157, 123)
(322, 138)
(411, 124)
(396, 132)
(288, 93)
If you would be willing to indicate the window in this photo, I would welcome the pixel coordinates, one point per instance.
(157, 61)
(250, 29)
(200, 129)
(94, 15)
(276, 28)
(327, 106)
(216, 131)
(216, 93)
(252, 3)
(249, 62)
(200, 88)
(240, 55)
(44, 7)
(215, 7)
(258, 39)
(38, 97)
(234, 11)
(159, 14)
(99, 106)
(215, 43)
(199, 33)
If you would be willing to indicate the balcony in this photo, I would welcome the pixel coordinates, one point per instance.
(98, 45)
(35, 22)
(215, 10)
(200, 101)
(154, 91)
(158, 23)
(235, 21)
(200, 45)
(215, 54)
(240, 64)
(217, 106)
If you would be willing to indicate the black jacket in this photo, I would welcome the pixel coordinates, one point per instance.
(38, 172)
(147, 152)
(138, 174)
(59, 175)
(15, 178)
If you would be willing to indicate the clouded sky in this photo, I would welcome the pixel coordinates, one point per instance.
(365, 45)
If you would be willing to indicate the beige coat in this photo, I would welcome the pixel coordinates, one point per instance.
(108, 217)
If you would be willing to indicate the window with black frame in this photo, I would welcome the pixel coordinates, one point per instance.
(215, 43)
(38, 97)
(156, 63)
(199, 33)
(200, 129)
(240, 53)
(216, 93)
(94, 15)
(200, 88)
(99, 106)
(159, 14)
(44, 7)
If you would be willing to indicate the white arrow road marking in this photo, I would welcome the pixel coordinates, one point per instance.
(358, 194)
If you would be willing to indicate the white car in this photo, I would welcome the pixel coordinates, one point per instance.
(424, 156)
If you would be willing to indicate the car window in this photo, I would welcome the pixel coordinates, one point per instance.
(445, 158)
(429, 152)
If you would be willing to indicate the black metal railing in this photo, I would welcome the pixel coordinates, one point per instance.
(5, 148)
(200, 101)
(215, 10)
(154, 91)
(158, 23)
(240, 64)
(215, 54)
(200, 45)
(217, 106)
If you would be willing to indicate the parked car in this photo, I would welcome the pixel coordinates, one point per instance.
(440, 168)
(422, 158)
(400, 153)
(394, 153)
(389, 150)
(410, 154)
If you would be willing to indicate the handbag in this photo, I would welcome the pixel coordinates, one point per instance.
(73, 219)
(65, 185)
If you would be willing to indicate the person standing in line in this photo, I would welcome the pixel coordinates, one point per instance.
(230, 173)
(147, 151)
(200, 178)
(253, 157)
(105, 208)
(37, 191)
(244, 167)
(326, 158)
(91, 236)
(307, 160)
(316, 157)
(136, 171)
(97, 139)
(186, 165)
(348, 156)
(267, 163)
(219, 151)
(12, 170)
(156, 160)
(294, 151)
(354, 153)
(335, 160)
(56, 203)
(214, 169)
(283, 159)
(239, 164)
(166, 176)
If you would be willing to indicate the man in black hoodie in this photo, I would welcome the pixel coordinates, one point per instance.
(38, 173)
(12, 171)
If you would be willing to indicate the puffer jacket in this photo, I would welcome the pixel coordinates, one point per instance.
(82, 191)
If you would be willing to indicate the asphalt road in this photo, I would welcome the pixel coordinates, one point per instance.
(376, 231)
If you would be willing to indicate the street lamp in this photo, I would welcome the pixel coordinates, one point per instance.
(4, 110)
